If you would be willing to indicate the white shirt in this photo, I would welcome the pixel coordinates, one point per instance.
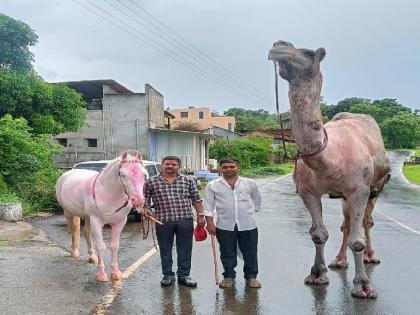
(233, 206)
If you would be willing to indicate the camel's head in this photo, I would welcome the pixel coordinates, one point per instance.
(296, 64)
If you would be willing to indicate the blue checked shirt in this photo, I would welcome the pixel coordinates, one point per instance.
(172, 202)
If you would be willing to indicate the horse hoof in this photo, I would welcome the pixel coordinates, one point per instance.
(75, 253)
(116, 276)
(102, 277)
(93, 260)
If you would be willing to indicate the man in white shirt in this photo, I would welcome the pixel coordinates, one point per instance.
(235, 200)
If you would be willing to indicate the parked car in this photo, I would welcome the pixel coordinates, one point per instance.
(152, 169)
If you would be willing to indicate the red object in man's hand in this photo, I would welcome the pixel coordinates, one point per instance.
(200, 233)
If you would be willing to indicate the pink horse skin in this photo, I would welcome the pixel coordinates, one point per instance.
(102, 198)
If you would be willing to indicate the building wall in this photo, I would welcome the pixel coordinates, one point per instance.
(155, 107)
(206, 121)
(188, 147)
(126, 123)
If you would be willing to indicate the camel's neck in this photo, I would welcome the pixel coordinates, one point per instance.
(307, 123)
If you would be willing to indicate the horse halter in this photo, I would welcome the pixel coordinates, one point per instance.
(122, 184)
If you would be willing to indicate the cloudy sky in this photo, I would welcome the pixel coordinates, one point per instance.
(214, 53)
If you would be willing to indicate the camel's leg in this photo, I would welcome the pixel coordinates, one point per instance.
(97, 225)
(74, 223)
(319, 236)
(340, 260)
(357, 203)
(88, 235)
(369, 254)
(116, 274)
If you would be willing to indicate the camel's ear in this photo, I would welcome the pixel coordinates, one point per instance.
(138, 156)
(124, 156)
(320, 52)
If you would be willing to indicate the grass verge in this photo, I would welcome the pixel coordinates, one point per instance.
(264, 171)
(412, 173)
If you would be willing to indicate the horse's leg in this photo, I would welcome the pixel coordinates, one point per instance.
(74, 223)
(88, 235)
(358, 203)
(340, 260)
(116, 274)
(97, 225)
(369, 254)
(319, 236)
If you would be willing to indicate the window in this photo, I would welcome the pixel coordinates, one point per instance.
(184, 114)
(62, 141)
(151, 170)
(95, 104)
(200, 115)
(230, 126)
(92, 143)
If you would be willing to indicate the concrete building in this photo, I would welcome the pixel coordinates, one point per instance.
(202, 117)
(119, 119)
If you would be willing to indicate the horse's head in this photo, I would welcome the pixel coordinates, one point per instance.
(133, 176)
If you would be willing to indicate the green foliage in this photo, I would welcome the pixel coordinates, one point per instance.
(254, 151)
(291, 151)
(15, 39)
(247, 119)
(48, 108)
(26, 161)
(3, 185)
(401, 131)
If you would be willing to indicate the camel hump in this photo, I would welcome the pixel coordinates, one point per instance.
(346, 115)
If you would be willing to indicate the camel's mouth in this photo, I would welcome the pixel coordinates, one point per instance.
(281, 50)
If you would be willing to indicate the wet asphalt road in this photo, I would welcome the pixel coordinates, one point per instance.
(286, 254)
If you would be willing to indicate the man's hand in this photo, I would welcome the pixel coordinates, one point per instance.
(211, 228)
(201, 220)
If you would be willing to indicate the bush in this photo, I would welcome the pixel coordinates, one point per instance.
(291, 150)
(26, 160)
(251, 152)
(10, 197)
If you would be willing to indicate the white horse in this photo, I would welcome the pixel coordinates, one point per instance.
(102, 198)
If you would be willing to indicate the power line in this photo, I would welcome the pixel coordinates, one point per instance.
(156, 45)
(193, 49)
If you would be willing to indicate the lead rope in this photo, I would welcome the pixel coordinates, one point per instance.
(276, 88)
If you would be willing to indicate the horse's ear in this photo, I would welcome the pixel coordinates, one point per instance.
(124, 156)
(138, 156)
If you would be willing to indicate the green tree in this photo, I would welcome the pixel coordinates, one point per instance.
(247, 119)
(48, 108)
(15, 39)
(401, 131)
(26, 160)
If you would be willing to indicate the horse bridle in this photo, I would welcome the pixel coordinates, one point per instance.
(122, 184)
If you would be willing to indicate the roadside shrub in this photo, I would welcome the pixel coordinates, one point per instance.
(251, 152)
(26, 161)
(291, 150)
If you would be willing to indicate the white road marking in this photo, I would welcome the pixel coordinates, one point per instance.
(108, 299)
(399, 223)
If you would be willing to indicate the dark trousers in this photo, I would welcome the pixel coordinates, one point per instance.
(184, 239)
(247, 242)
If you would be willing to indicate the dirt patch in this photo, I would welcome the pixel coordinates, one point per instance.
(11, 232)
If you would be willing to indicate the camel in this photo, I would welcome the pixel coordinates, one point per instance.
(344, 158)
